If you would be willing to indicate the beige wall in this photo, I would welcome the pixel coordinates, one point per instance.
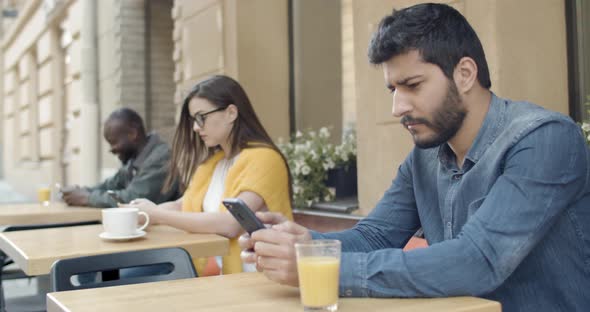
(243, 39)
(32, 100)
(161, 113)
(348, 74)
(526, 51)
(317, 53)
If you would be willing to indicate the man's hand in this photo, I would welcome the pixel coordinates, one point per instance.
(76, 196)
(274, 248)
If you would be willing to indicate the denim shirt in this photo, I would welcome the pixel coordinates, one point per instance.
(512, 224)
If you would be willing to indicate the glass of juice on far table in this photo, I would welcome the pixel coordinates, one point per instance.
(318, 265)
(44, 195)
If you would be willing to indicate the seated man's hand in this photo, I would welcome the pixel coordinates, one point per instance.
(76, 196)
(247, 244)
(274, 248)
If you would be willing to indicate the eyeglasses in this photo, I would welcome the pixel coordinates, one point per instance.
(199, 118)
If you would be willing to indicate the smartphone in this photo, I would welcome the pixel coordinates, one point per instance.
(115, 197)
(243, 214)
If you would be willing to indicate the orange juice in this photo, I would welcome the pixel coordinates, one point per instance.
(43, 195)
(318, 280)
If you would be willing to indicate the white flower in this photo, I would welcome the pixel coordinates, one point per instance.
(332, 191)
(298, 134)
(312, 134)
(324, 133)
(344, 157)
(299, 149)
(588, 138)
(314, 155)
(305, 170)
(586, 127)
(328, 165)
(309, 202)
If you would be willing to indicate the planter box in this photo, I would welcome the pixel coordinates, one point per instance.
(344, 181)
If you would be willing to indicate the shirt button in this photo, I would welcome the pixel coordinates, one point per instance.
(348, 293)
(449, 224)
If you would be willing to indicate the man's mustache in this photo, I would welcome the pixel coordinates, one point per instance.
(409, 119)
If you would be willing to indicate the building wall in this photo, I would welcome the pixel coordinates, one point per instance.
(74, 139)
(110, 71)
(317, 53)
(127, 78)
(246, 40)
(45, 132)
(33, 92)
(348, 74)
(161, 112)
(524, 64)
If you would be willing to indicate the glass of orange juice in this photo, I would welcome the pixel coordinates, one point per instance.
(44, 195)
(318, 266)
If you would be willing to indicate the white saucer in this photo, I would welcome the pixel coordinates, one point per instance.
(107, 236)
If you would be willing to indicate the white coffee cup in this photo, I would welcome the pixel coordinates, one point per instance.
(122, 221)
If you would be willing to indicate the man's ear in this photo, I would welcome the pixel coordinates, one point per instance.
(132, 134)
(232, 112)
(465, 75)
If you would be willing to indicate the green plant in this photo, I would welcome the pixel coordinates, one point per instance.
(310, 155)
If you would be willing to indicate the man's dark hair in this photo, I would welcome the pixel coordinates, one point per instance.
(130, 117)
(438, 32)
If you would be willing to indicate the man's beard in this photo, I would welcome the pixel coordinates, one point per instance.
(447, 120)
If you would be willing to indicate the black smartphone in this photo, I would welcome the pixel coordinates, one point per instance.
(115, 197)
(243, 214)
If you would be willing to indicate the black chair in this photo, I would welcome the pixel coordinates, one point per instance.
(26, 303)
(178, 261)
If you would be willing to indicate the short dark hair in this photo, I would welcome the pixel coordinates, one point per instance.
(438, 32)
(130, 117)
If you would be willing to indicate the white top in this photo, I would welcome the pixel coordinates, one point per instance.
(214, 195)
(216, 188)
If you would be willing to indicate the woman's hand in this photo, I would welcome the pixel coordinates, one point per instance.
(146, 206)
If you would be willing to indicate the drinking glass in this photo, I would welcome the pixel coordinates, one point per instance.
(318, 265)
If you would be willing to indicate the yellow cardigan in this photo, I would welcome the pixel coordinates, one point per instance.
(257, 169)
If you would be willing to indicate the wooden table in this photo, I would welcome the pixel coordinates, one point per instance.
(35, 250)
(35, 213)
(236, 292)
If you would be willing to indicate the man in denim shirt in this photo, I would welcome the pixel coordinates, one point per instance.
(501, 188)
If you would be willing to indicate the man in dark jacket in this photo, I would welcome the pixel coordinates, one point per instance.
(145, 159)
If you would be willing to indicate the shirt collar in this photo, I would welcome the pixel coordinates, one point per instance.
(490, 129)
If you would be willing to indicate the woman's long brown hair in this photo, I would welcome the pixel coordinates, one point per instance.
(189, 151)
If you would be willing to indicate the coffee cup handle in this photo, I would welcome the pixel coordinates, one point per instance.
(147, 220)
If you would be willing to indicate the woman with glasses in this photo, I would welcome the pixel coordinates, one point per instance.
(221, 150)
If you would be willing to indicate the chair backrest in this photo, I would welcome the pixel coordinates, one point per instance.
(178, 259)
